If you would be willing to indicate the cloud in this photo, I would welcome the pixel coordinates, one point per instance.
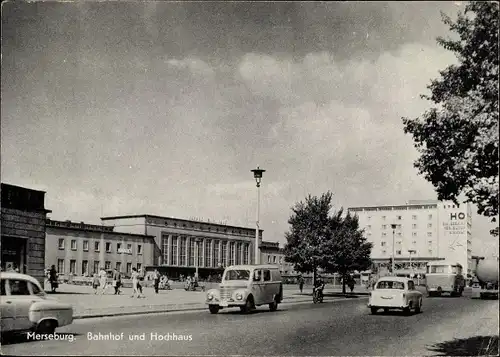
(194, 65)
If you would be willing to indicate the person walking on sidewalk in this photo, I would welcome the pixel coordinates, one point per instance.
(135, 283)
(140, 278)
(301, 283)
(103, 279)
(117, 281)
(156, 278)
(351, 282)
(95, 283)
(53, 278)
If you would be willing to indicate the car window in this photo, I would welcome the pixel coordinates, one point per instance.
(257, 275)
(18, 287)
(267, 275)
(411, 285)
(3, 292)
(391, 285)
(35, 290)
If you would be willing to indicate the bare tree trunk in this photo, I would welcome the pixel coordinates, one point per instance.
(314, 276)
(343, 283)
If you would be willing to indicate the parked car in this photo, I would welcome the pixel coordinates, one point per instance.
(246, 287)
(26, 307)
(395, 293)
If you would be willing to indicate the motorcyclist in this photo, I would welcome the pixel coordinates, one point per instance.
(319, 286)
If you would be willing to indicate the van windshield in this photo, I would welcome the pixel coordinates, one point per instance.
(437, 269)
(237, 275)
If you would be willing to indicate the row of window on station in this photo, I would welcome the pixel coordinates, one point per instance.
(85, 269)
(239, 252)
(97, 246)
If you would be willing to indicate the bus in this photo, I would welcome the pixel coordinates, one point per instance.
(444, 278)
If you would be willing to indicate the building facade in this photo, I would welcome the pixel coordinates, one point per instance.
(271, 253)
(424, 231)
(183, 245)
(23, 230)
(80, 249)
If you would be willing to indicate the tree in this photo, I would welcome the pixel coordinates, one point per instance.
(458, 138)
(308, 231)
(346, 249)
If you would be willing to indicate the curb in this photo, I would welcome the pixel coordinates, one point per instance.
(186, 309)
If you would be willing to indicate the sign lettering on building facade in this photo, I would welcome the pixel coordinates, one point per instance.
(456, 224)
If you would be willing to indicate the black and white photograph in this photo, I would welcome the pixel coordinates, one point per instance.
(249, 178)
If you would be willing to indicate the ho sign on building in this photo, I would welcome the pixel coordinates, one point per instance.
(456, 223)
(125, 251)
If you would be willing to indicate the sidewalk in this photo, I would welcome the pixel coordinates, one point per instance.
(86, 304)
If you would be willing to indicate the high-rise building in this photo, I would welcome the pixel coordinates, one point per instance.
(424, 230)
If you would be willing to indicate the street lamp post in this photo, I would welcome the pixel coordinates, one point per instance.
(393, 226)
(411, 251)
(257, 174)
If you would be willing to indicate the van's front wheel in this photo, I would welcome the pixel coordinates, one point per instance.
(248, 306)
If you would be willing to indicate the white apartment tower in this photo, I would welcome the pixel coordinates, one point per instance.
(426, 230)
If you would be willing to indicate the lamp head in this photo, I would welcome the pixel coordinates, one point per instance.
(257, 174)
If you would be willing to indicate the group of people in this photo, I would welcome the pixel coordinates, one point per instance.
(100, 280)
(160, 281)
(192, 282)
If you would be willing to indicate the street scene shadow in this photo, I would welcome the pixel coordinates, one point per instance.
(473, 346)
(346, 295)
(16, 338)
(253, 312)
(68, 293)
(396, 313)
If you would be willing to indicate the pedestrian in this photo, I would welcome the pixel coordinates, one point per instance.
(351, 283)
(53, 278)
(135, 283)
(117, 281)
(301, 283)
(140, 278)
(95, 282)
(156, 278)
(103, 279)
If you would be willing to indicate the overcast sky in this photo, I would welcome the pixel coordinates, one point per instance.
(164, 108)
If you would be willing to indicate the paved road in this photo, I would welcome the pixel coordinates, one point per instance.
(85, 303)
(336, 328)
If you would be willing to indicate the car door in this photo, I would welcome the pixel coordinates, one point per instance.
(257, 286)
(22, 299)
(7, 309)
(412, 293)
(268, 286)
